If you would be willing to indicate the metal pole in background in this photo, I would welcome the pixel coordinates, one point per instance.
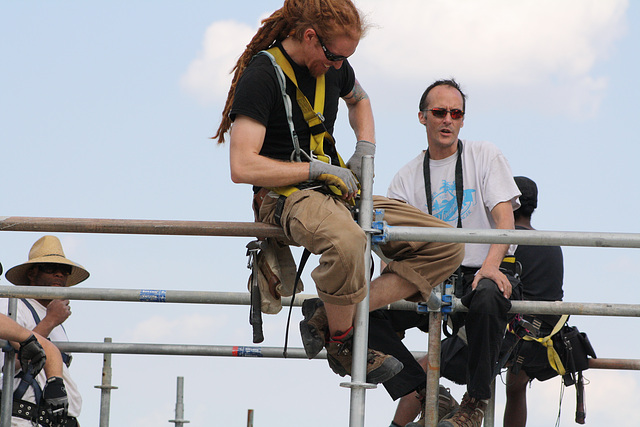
(490, 412)
(358, 382)
(9, 371)
(250, 418)
(179, 421)
(105, 387)
(433, 370)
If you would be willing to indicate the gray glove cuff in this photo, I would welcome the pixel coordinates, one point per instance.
(317, 168)
(365, 148)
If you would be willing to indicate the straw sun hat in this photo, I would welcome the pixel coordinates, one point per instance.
(47, 250)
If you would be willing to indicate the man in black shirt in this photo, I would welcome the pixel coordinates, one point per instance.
(283, 104)
(542, 274)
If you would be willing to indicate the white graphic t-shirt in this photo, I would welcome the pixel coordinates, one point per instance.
(487, 181)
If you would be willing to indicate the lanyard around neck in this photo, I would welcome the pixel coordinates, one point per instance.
(458, 179)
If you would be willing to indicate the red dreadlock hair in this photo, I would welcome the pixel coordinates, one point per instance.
(329, 17)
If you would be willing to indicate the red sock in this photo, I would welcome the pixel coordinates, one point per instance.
(340, 337)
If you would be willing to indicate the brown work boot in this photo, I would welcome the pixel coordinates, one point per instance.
(314, 328)
(470, 413)
(380, 367)
(447, 406)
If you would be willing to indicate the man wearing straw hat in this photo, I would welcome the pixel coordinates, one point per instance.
(46, 266)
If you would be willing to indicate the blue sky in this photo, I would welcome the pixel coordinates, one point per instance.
(106, 109)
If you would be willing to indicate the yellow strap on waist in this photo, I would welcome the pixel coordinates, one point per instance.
(552, 354)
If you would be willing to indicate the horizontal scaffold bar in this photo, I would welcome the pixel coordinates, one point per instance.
(155, 295)
(257, 351)
(243, 298)
(253, 229)
(139, 226)
(521, 237)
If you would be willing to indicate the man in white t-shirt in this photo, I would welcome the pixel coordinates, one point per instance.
(470, 185)
(46, 266)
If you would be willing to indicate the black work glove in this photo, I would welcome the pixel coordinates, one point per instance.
(55, 400)
(31, 355)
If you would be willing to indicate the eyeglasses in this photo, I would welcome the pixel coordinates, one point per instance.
(55, 268)
(441, 113)
(328, 54)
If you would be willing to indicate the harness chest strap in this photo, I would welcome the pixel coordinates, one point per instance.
(312, 115)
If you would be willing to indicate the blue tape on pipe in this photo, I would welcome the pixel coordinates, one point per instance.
(246, 351)
(150, 295)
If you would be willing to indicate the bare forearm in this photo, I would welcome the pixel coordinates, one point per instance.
(45, 327)
(495, 256)
(53, 365)
(361, 114)
(265, 172)
(11, 331)
(249, 167)
(361, 121)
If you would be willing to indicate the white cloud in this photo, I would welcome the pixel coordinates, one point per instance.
(545, 49)
(207, 77)
(188, 328)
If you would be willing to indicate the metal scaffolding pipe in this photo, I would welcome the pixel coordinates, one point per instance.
(244, 298)
(622, 364)
(179, 420)
(561, 307)
(6, 402)
(253, 229)
(521, 237)
(184, 350)
(359, 363)
(139, 226)
(433, 370)
(105, 388)
(266, 352)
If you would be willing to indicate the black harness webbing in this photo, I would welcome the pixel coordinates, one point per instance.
(303, 261)
(26, 378)
(458, 178)
(459, 199)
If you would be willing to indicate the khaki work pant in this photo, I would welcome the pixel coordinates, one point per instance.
(324, 225)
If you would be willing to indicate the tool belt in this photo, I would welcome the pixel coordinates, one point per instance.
(30, 411)
(259, 196)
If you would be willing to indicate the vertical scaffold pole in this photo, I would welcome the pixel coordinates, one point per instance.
(105, 387)
(490, 413)
(179, 421)
(433, 369)
(358, 382)
(9, 371)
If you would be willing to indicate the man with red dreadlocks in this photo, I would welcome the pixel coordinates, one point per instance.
(280, 116)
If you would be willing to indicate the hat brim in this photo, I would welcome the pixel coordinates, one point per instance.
(18, 274)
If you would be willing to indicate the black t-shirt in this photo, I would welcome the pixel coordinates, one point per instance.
(258, 96)
(542, 271)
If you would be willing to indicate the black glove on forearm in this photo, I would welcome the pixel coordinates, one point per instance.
(31, 355)
(55, 400)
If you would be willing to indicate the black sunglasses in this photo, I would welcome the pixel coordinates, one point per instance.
(328, 54)
(441, 113)
(55, 268)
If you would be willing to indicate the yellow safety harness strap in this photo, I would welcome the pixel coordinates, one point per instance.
(552, 354)
(312, 115)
